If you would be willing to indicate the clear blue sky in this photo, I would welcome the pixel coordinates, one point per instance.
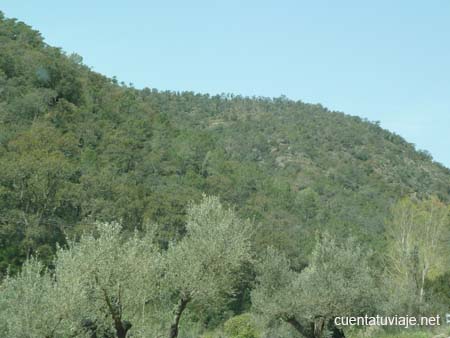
(388, 61)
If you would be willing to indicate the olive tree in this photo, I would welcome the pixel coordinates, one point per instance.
(100, 288)
(204, 267)
(337, 282)
(109, 284)
(107, 280)
(26, 306)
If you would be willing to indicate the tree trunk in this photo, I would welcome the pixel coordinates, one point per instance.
(335, 331)
(303, 330)
(173, 333)
(316, 328)
(122, 328)
(422, 283)
(319, 324)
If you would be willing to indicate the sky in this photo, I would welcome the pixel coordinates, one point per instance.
(387, 61)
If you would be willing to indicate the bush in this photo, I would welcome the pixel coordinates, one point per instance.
(241, 326)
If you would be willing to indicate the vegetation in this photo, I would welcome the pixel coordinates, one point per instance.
(105, 230)
(106, 284)
(241, 326)
(418, 248)
(337, 282)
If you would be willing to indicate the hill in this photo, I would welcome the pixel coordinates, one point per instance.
(78, 147)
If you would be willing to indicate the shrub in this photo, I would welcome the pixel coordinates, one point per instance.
(241, 326)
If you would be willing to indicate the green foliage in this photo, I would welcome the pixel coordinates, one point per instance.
(108, 282)
(242, 326)
(418, 236)
(26, 310)
(439, 290)
(102, 279)
(206, 264)
(377, 332)
(203, 269)
(75, 147)
(337, 282)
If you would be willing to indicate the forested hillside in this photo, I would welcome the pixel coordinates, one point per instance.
(77, 147)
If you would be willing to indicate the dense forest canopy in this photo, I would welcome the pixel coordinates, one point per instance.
(77, 148)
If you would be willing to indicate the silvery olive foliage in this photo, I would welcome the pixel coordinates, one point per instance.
(108, 284)
(95, 279)
(108, 276)
(27, 308)
(205, 266)
(337, 282)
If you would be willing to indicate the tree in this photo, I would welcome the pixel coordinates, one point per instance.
(26, 306)
(100, 287)
(109, 279)
(110, 282)
(204, 267)
(337, 282)
(418, 243)
(307, 201)
(39, 188)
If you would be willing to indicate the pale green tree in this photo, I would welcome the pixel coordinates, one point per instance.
(418, 236)
(108, 281)
(113, 284)
(337, 282)
(204, 267)
(26, 308)
(101, 286)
